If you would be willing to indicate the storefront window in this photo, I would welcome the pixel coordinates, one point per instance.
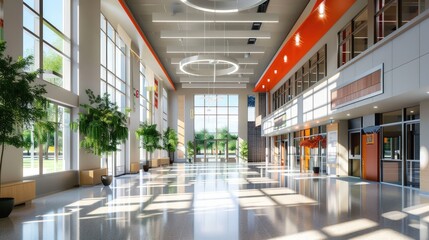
(392, 154)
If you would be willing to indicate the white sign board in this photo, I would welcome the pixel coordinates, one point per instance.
(332, 147)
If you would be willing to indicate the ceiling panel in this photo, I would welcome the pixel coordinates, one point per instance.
(285, 11)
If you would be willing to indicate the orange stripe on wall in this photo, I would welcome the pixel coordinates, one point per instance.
(137, 26)
(311, 31)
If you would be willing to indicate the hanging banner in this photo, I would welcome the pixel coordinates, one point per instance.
(1, 21)
(156, 94)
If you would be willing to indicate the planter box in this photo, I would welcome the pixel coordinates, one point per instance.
(92, 176)
(22, 191)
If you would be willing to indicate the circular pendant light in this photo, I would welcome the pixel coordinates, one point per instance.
(224, 6)
(231, 63)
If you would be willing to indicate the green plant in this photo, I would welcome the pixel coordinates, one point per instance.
(190, 150)
(149, 137)
(102, 125)
(244, 150)
(21, 101)
(169, 142)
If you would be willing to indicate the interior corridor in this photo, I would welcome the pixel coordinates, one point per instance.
(224, 201)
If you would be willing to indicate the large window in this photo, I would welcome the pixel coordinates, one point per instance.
(392, 14)
(307, 75)
(216, 125)
(47, 37)
(114, 81)
(353, 39)
(47, 143)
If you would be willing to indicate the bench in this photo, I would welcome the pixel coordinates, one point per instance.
(22, 191)
(135, 167)
(164, 161)
(92, 176)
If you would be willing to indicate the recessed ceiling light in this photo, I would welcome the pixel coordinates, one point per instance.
(263, 86)
(269, 80)
(275, 71)
(411, 111)
(318, 122)
(297, 39)
(322, 10)
(348, 114)
(427, 92)
(285, 58)
(375, 107)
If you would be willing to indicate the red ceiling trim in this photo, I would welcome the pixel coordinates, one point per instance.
(311, 31)
(137, 26)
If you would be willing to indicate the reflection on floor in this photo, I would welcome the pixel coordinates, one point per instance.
(224, 201)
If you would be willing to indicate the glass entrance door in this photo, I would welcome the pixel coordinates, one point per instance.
(412, 160)
(355, 154)
(285, 154)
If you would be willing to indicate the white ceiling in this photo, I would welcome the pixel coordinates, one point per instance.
(171, 50)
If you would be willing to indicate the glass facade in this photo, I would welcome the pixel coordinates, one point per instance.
(353, 39)
(216, 127)
(392, 14)
(114, 81)
(47, 143)
(310, 73)
(47, 37)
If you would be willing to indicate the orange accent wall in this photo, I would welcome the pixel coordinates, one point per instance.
(370, 158)
(311, 31)
(137, 26)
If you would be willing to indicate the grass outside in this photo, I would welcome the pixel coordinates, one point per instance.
(49, 166)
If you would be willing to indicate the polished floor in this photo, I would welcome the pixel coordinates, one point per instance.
(224, 201)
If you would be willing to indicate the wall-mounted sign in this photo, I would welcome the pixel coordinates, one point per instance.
(369, 85)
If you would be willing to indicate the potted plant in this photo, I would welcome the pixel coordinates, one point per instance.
(169, 142)
(190, 150)
(103, 127)
(149, 138)
(244, 150)
(21, 104)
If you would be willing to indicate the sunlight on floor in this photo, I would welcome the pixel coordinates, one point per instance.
(417, 209)
(277, 191)
(383, 234)
(114, 209)
(85, 202)
(394, 215)
(293, 199)
(173, 197)
(167, 206)
(353, 226)
(311, 234)
(129, 200)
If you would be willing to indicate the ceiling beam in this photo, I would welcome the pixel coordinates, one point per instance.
(216, 85)
(215, 34)
(218, 79)
(215, 18)
(241, 61)
(217, 49)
